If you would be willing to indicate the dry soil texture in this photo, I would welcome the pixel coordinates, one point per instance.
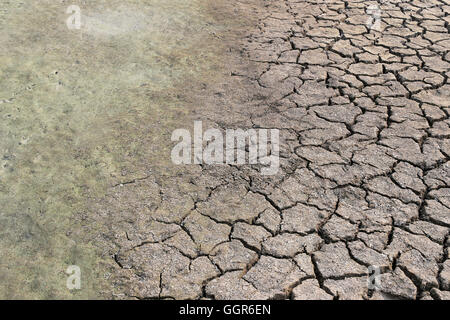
(358, 89)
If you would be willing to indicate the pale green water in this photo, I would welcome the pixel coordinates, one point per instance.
(79, 109)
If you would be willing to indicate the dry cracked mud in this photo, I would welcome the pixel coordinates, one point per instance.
(364, 175)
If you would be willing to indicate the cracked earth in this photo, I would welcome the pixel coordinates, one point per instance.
(364, 178)
(364, 175)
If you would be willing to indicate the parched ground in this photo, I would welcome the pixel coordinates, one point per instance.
(364, 177)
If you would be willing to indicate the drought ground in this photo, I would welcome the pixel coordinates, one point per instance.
(86, 176)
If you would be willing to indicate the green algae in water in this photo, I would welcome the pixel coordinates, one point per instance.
(78, 110)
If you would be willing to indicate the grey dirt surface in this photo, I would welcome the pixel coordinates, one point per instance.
(364, 175)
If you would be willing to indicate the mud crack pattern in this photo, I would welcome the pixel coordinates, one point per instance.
(364, 179)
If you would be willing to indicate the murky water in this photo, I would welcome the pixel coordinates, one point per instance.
(79, 110)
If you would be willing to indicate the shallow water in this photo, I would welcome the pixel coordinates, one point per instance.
(79, 109)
